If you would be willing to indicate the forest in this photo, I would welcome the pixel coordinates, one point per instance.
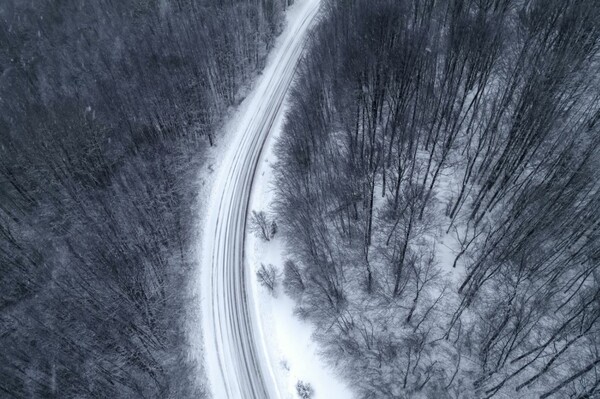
(106, 110)
(437, 186)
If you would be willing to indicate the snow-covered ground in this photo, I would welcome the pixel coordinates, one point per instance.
(289, 344)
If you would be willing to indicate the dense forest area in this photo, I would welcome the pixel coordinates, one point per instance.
(438, 189)
(106, 108)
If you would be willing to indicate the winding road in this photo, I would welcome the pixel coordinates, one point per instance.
(236, 360)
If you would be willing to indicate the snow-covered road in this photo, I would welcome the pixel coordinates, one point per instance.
(236, 359)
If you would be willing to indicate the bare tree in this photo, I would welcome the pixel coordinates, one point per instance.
(260, 225)
(267, 277)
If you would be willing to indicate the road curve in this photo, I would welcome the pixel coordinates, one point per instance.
(236, 363)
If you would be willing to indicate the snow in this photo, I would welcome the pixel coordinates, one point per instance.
(228, 166)
(290, 347)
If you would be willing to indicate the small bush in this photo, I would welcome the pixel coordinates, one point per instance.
(259, 225)
(304, 389)
(267, 276)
